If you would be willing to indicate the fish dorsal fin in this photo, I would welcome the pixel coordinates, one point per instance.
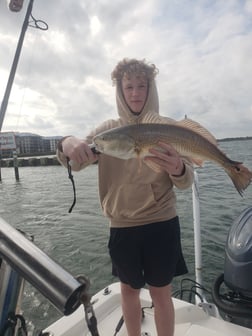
(153, 118)
(196, 127)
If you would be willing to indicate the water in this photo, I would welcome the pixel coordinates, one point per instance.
(38, 204)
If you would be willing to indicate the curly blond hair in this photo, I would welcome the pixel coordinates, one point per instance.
(127, 67)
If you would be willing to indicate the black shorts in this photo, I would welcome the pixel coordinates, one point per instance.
(149, 253)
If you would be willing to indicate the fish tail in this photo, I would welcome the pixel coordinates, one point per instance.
(240, 175)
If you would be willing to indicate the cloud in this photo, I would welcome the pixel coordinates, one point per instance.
(202, 49)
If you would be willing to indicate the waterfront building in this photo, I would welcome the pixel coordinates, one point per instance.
(29, 144)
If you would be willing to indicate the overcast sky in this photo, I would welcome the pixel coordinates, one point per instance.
(203, 49)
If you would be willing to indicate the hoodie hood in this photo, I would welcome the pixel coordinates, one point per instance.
(151, 105)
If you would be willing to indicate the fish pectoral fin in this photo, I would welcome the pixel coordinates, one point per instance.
(140, 164)
(197, 162)
(152, 165)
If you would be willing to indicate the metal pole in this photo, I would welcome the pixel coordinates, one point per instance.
(197, 234)
(15, 165)
(47, 276)
(14, 64)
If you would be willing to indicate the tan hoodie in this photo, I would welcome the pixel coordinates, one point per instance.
(129, 196)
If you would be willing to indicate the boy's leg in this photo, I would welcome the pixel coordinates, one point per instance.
(164, 310)
(131, 309)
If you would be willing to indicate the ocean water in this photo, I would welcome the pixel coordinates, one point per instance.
(38, 204)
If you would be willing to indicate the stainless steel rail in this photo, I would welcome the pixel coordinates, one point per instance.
(47, 276)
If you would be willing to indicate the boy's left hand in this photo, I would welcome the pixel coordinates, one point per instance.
(168, 159)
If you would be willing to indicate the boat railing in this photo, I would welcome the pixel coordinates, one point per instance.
(21, 259)
(197, 235)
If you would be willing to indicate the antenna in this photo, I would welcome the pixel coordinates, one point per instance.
(16, 5)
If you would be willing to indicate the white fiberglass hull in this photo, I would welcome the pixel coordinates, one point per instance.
(190, 320)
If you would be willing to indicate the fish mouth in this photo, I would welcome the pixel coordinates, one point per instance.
(98, 146)
(94, 148)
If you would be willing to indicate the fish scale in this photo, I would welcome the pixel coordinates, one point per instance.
(186, 142)
(135, 141)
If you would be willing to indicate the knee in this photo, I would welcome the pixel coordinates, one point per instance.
(160, 295)
(128, 292)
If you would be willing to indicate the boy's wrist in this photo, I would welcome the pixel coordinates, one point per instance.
(60, 143)
(182, 173)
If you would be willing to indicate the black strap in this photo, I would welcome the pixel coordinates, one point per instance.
(11, 324)
(70, 175)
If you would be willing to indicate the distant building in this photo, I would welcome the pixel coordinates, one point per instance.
(52, 142)
(28, 143)
(33, 144)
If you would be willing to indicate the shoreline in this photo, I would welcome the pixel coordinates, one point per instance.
(30, 162)
(51, 159)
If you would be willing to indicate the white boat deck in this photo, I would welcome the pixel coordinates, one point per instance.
(190, 320)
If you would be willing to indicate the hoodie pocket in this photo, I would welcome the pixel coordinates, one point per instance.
(129, 201)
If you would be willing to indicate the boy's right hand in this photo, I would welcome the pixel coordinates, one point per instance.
(77, 150)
